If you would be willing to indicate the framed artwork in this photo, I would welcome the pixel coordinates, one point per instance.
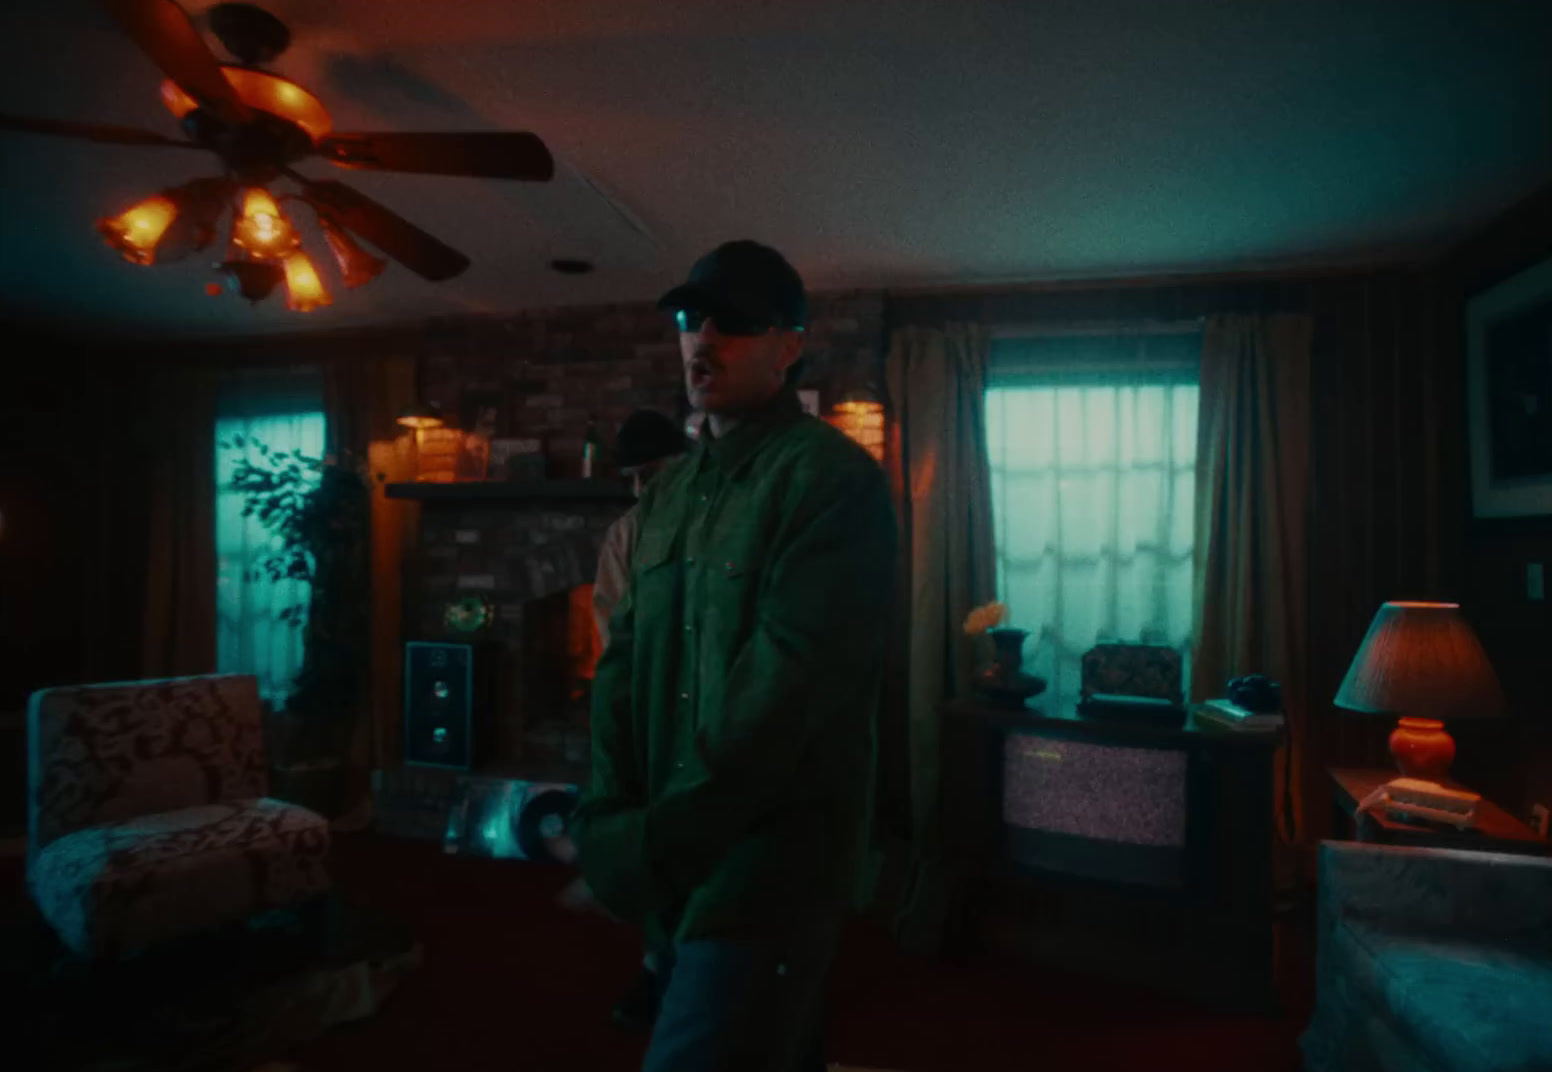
(1509, 395)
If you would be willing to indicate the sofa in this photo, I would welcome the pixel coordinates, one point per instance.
(1431, 960)
(148, 819)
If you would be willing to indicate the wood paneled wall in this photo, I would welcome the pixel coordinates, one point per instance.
(1516, 631)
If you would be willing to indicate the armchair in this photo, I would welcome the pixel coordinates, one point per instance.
(147, 815)
(1431, 960)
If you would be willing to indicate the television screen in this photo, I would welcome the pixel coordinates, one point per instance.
(1102, 810)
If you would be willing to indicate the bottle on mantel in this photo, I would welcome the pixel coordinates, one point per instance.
(590, 451)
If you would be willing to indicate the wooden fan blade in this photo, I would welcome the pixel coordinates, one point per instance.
(481, 155)
(427, 257)
(165, 34)
(103, 132)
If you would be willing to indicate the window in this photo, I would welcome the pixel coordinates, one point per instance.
(1092, 444)
(250, 636)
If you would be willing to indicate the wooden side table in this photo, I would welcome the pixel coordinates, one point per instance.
(1495, 830)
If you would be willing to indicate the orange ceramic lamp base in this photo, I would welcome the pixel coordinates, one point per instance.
(1422, 749)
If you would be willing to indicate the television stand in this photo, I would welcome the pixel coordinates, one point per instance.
(1133, 851)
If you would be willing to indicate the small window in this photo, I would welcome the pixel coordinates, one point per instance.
(1092, 445)
(252, 638)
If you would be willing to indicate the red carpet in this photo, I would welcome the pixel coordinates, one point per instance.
(511, 982)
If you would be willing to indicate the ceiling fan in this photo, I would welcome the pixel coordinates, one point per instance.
(259, 124)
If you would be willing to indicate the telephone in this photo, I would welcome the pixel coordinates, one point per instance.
(1256, 693)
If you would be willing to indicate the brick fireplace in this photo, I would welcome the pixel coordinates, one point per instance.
(549, 373)
(527, 550)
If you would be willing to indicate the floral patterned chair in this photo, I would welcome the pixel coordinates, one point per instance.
(147, 815)
(1431, 960)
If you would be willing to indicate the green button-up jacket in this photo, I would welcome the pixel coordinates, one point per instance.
(733, 711)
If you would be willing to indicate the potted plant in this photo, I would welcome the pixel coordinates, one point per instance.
(320, 510)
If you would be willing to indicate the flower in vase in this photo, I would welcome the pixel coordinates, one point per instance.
(984, 617)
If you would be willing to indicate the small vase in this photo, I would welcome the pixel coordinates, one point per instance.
(1004, 682)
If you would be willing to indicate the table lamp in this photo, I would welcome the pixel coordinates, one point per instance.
(1423, 662)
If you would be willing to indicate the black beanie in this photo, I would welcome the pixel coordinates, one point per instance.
(647, 436)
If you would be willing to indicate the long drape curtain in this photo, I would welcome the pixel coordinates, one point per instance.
(363, 395)
(1092, 446)
(1253, 495)
(178, 622)
(936, 381)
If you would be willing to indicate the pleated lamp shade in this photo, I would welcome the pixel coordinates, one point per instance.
(1423, 662)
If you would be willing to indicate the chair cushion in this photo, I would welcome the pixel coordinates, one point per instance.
(115, 889)
(106, 753)
(1465, 1005)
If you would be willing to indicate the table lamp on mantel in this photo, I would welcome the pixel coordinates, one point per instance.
(1423, 662)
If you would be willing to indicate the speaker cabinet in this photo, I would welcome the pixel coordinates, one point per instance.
(446, 704)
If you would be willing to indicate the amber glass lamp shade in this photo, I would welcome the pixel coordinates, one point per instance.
(1423, 662)
(261, 230)
(136, 231)
(356, 265)
(304, 290)
(861, 417)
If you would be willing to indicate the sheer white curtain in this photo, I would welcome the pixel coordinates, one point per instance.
(1092, 445)
(284, 412)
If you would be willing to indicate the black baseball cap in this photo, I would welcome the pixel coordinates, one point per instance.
(747, 278)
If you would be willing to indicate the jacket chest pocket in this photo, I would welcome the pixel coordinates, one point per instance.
(655, 548)
(656, 574)
(732, 592)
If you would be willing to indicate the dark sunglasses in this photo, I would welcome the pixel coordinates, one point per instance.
(726, 321)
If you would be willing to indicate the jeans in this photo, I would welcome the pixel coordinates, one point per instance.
(744, 1005)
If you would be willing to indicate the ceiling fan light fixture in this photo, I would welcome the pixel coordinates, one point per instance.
(200, 204)
(136, 231)
(254, 280)
(261, 230)
(356, 265)
(304, 290)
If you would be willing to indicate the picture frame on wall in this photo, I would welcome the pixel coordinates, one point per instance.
(1509, 395)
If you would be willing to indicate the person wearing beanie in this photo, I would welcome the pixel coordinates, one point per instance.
(647, 441)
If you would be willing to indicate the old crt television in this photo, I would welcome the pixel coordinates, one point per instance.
(1094, 808)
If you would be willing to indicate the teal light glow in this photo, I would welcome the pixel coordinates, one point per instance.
(250, 636)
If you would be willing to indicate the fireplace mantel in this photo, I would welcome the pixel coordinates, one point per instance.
(489, 492)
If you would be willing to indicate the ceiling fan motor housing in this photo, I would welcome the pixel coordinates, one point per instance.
(256, 151)
(249, 33)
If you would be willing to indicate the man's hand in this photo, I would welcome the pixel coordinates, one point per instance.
(578, 897)
(564, 850)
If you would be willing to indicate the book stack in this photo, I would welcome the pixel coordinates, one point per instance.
(1222, 713)
(1411, 800)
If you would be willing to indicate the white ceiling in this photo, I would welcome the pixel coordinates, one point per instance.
(897, 143)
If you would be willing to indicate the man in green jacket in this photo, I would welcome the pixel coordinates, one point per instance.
(733, 712)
